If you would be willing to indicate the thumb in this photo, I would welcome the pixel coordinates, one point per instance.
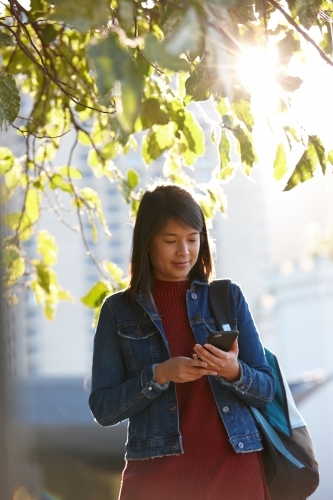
(234, 347)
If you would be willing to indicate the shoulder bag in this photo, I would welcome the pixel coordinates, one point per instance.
(290, 466)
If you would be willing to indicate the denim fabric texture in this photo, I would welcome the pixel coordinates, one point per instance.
(130, 340)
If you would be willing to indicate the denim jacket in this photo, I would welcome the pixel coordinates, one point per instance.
(130, 340)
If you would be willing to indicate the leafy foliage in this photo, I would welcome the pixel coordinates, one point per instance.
(110, 72)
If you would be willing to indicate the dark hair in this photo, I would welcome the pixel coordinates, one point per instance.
(159, 204)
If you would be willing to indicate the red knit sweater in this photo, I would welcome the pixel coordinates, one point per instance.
(209, 469)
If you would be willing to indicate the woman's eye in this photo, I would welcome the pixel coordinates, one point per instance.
(193, 241)
(170, 241)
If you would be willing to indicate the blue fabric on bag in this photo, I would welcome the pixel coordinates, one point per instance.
(277, 410)
(275, 438)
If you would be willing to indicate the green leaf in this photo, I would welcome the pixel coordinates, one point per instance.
(330, 157)
(113, 63)
(115, 272)
(126, 14)
(84, 138)
(151, 113)
(5, 194)
(157, 52)
(14, 177)
(49, 33)
(128, 184)
(9, 99)
(206, 206)
(47, 247)
(92, 199)
(6, 40)
(46, 152)
(195, 139)
(83, 15)
(307, 165)
(245, 147)
(133, 178)
(223, 106)
(46, 289)
(198, 84)
(287, 47)
(43, 276)
(172, 169)
(308, 12)
(320, 150)
(280, 166)
(6, 160)
(242, 109)
(159, 139)
(96, 295)
(32, 205)
(71, 172)
(18, 222)
(289, 83)
(217, 197)
(304, 169)
(96, 163)
(186, 36)
(12, 264)
(57, 181)
(110, 150)
(226, 170)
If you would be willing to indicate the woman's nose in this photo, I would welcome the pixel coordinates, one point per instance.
(182, 248)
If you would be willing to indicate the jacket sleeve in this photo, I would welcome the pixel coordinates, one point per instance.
(256, 385)
(113, 397)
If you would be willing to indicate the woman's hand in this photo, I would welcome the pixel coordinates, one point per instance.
(225, 363)
(181, 370)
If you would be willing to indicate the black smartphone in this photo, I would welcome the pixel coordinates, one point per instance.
(222, 340)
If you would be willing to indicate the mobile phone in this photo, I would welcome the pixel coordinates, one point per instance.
(222, 340)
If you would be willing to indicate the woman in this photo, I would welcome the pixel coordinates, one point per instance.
(186, 404)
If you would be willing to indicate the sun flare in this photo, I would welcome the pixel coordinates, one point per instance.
(257, 67)
(257, 71)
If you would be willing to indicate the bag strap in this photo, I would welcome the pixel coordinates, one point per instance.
(219, 300)
(274, 438)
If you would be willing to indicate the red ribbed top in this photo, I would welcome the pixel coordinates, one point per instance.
(209, 469)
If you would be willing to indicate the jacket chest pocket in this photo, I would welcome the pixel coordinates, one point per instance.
(142, 345)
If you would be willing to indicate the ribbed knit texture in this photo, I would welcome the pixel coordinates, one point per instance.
(209, 469)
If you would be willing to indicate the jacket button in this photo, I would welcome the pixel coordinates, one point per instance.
(240, 445)
(193, 295)
(225, 409)
(150, 388)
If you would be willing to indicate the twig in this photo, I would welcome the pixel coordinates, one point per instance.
(301, 31)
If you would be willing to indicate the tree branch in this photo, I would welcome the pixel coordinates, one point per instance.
(301, 31)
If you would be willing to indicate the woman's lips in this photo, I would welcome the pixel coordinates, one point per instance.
(180, 264)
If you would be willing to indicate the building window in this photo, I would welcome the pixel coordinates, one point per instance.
(113, 208)
(32, 312)
(112, 191)
(33, 349)
(32, 332)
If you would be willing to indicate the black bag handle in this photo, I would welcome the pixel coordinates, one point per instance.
(219, 300)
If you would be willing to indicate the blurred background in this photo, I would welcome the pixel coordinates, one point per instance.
(277, 245)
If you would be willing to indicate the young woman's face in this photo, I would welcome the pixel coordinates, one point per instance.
(174, 251)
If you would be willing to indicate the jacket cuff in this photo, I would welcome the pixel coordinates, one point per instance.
(150, 388)
(243, 383)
